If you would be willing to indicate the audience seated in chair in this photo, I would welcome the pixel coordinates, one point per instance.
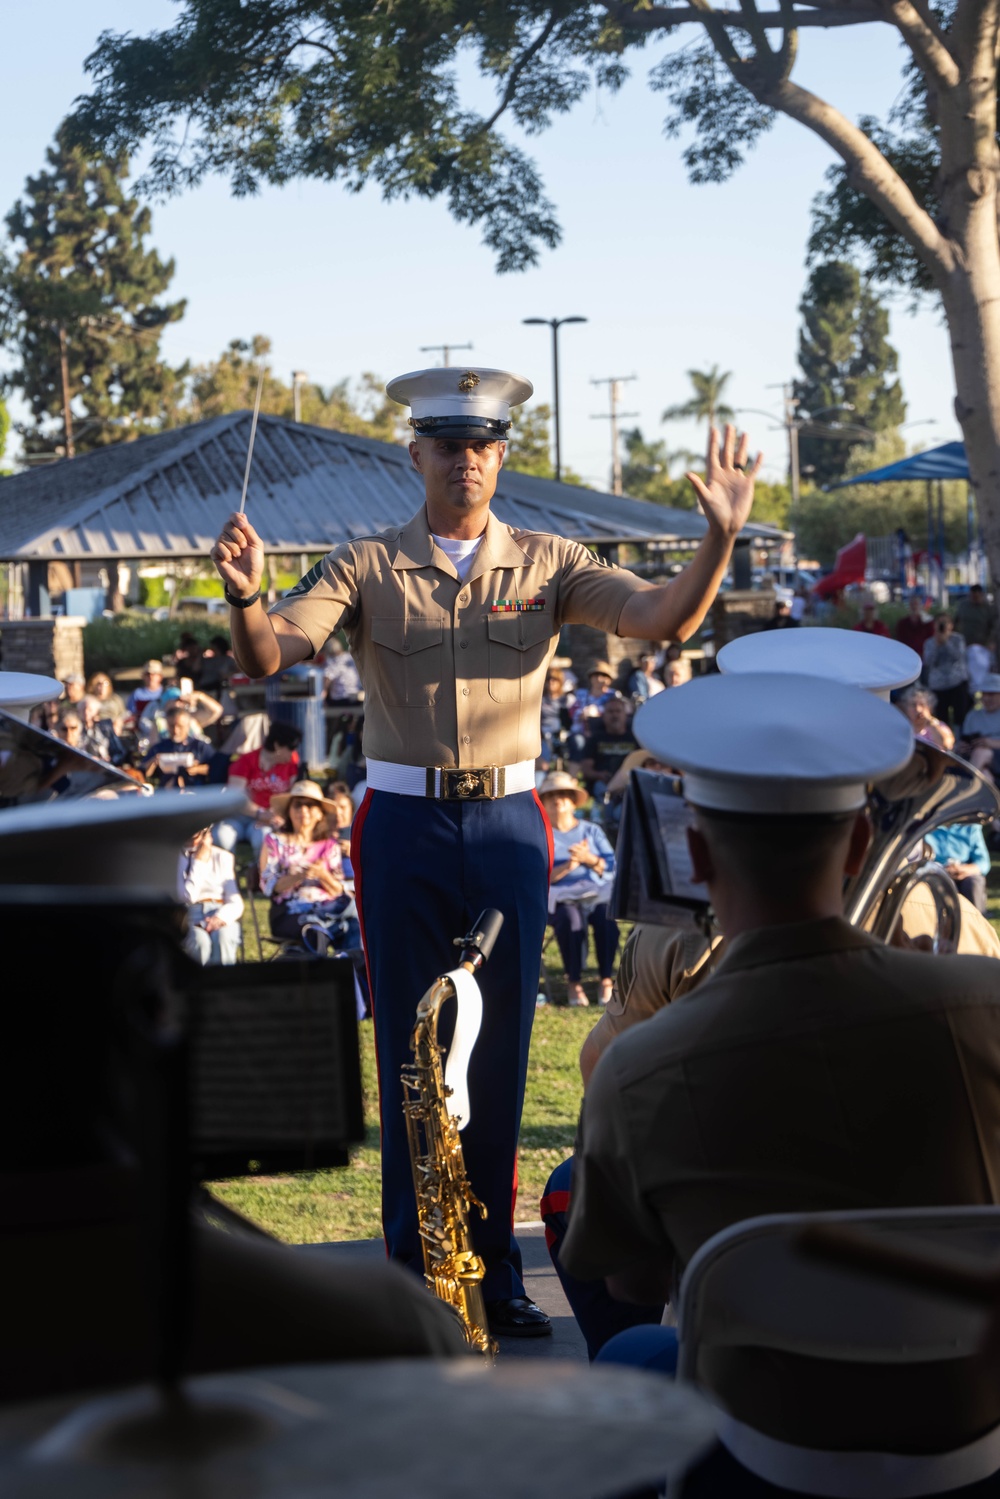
(180, 759)
(301, 870)
(262, 774)
(582, 875)
(206, 884)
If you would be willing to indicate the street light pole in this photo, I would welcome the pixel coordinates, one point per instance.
(555, 323)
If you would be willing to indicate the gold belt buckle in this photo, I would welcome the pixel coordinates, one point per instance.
(464, 785)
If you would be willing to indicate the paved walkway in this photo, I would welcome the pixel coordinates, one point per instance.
(540, 1280)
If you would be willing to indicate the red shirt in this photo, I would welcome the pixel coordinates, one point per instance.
(915, 633)
(875, 628)
(263, 784)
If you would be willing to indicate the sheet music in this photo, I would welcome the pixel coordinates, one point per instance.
(673, 818)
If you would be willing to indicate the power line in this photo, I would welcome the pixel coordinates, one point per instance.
(445, 349)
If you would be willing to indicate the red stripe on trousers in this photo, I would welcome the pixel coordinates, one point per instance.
(554, 1202)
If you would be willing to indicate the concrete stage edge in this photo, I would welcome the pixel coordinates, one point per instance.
(540, 1280)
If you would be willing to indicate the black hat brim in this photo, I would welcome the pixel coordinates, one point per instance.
(474, 428)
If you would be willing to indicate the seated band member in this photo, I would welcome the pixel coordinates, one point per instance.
(815, 1068)
(660, 964)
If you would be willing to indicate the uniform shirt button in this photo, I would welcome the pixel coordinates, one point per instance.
(463, 598)
(466, 739)
(464, 645)
(465, 692)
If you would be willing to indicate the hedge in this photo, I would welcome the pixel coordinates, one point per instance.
(128, 640)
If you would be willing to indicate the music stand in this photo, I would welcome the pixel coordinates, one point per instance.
(194, 1070)
(653, 882)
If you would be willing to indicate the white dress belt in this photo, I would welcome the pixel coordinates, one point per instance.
(449, 783)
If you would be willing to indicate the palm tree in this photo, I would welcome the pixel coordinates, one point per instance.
(706, 403)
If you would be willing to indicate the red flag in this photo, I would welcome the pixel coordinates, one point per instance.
(848, 568)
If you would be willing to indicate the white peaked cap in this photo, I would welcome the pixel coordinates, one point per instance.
(467, 398)
(774, 743)
(853, 657)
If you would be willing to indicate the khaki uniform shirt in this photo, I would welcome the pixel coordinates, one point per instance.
(449, 680)
(815, 1069)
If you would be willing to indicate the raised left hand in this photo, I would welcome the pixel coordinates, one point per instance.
(726, 491)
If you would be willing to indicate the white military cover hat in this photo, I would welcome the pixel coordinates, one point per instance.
(773, 743)
(854, 657)
(460, 402)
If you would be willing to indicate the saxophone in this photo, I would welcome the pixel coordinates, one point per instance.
(436, 1105)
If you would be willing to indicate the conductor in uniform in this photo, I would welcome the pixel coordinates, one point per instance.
(452, 619)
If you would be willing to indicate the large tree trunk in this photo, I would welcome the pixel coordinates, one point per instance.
(970, 286)
(972, 307)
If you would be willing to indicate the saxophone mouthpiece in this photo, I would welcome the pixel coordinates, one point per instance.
(477, 945)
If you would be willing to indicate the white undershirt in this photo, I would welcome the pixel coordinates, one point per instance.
(459, 553)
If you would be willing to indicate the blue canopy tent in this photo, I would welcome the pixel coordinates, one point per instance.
(934, 465)
(946, 462)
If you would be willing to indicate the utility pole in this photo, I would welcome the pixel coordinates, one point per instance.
(67, 413)
(614, 384)
(299, 378)
(555, 323)
(445, 349)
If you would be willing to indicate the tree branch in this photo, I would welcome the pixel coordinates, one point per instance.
(920, 32)
(518, 68)
(871, 173)
(666, 17)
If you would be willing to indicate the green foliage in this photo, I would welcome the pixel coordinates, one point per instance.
(528, 445)
(4, 426)
(823, 523)
(128, 640)
(706, 404)
(647, 471)
(846, 361)
(529, 448)
(772, 504)
(271, 90)
(81, 264)
(846, 224)
(229, 383)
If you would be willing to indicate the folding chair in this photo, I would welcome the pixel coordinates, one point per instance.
(750, 1287)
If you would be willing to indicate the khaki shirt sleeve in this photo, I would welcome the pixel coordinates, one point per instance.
(658, 965)
(592, 592)
(920, 919)
(326, 599)
(610, 1227)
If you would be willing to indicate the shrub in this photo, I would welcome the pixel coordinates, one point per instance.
(129, 639)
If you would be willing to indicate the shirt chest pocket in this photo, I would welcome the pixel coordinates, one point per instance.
(410, 658)
(519, 646)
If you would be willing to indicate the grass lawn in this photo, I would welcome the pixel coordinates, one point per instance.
(344, 1204)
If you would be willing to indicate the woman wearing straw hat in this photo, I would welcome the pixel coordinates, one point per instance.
(301, 870)
(582, 870)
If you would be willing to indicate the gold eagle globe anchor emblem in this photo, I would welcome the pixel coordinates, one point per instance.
(469, 381)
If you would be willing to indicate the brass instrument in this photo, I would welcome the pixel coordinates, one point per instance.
(452, 1269)
(934, 789)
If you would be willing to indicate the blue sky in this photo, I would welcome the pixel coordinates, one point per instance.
(670, 276)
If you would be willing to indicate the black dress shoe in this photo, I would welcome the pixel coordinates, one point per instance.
(517, 1317)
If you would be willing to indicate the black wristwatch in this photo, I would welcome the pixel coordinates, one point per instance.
(236, 603)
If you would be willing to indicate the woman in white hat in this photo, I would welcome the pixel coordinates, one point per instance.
(582, 872)
(301, 869)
